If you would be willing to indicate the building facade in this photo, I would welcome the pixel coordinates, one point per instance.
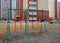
(36, 6)
(0, 9)
(53, 9)
(5, 4)
(4, 7)
(58, 10)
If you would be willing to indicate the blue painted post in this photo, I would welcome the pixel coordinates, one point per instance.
(8, 25)
(41, 21)
(43, 16)
(26, 25)
(41, 27)
(45, 30)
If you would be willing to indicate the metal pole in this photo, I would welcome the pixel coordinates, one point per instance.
(26, 25)
(45, 30)
(8, 25)
(1, 9)
(14, 21)
(32, 19)
(41, 21)
(41, 27)
(43, 16)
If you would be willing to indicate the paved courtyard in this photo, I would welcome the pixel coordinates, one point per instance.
(53, 36)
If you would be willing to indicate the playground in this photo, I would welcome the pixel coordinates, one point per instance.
(28, 31)
(18, 35)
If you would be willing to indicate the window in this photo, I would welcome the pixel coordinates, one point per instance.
(33, 0)
(5, 0)
(32, 15)
(33, 10)
(32, 5)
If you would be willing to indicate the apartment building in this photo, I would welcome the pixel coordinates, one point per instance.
(4, 9)
(36, 5)
(58, 9)
(5, 4)
(0, 9)
(12, 6)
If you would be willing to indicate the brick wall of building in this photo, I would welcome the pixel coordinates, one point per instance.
(39, 13)
(41, 4)
(58, 10)
(55, 9)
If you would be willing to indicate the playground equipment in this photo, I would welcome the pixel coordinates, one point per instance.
(43, 20)
(26, 23)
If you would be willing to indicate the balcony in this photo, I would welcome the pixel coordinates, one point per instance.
(33, 0)
(32, 8)
(30, 2)
(32, 13)
(34, 18)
